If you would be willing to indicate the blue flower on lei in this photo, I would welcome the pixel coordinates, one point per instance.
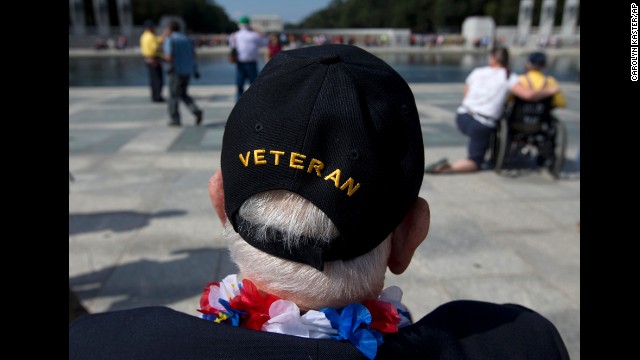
(230, 316)
(352, 323)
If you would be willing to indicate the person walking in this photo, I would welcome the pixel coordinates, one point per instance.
(151, 49)
(180, 54)
(247, 42)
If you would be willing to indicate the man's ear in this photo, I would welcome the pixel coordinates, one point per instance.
(407, 236)
(216, 194)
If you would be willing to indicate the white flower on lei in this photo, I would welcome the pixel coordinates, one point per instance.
(228, 289)
(286, 319)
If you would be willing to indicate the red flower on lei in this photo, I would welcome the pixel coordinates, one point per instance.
(254, 304)
(242, 304)
(250, 307)
(384, 316)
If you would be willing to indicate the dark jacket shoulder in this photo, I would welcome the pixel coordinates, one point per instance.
(466, 330)
(162, 333)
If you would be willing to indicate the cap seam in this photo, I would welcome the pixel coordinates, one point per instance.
(306, 131)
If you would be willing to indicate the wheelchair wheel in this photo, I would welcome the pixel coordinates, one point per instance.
(501, 145)
(490, 156)
(560, 148)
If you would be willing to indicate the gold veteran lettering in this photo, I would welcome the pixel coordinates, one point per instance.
(299, 162)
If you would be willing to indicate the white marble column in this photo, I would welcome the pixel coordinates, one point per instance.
(125, 17)
(101, 15)
(547, 16)
(78, 22)
(525, 14)
(570, 17)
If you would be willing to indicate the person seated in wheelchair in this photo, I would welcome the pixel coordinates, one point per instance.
(486, 91)
(527, 117)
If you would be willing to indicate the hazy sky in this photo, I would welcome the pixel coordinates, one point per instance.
(289, 10)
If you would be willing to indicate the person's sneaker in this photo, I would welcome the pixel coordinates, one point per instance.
(176, 124)
(437, 166)
(198, 115)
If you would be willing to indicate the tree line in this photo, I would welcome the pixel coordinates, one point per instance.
(421, 16)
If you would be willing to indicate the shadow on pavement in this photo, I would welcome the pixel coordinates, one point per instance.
(524, 166)
(216, 125)
(117, 221)
(155, 282)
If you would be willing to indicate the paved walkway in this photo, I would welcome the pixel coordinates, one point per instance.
(142, 230)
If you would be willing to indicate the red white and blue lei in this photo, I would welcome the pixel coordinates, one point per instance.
(242, 304)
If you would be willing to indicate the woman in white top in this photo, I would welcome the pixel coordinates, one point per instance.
(485, 93)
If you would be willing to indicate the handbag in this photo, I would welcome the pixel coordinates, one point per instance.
(233, 55)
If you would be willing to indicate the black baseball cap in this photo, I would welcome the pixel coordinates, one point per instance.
(337, 126)
(538, 59)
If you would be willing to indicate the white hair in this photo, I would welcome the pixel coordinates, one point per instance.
(341, 283)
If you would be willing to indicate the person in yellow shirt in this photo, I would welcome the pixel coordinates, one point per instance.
(535, 78)
(151, 48)
(527, 116)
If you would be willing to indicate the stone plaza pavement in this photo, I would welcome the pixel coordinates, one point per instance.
(142, 230)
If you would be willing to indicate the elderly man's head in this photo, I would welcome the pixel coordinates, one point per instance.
(322, 162)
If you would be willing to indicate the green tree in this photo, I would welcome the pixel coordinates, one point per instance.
(201, 16)
(418, 15)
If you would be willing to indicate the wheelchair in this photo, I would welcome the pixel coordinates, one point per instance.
(526, 133)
